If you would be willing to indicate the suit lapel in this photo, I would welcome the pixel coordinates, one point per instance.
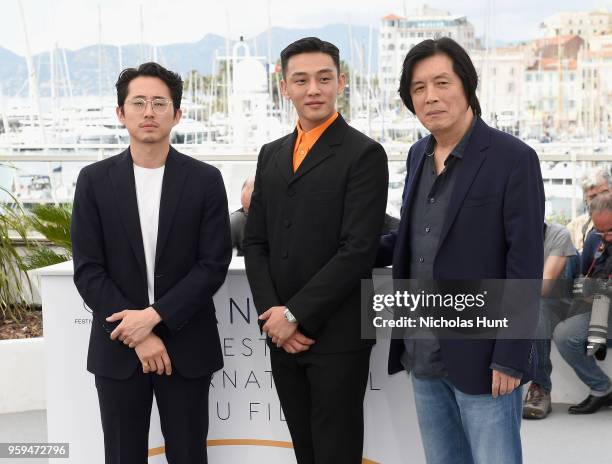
(415, 167)
(473, 157)
(323, 148)
(175, 174)
(320, 151)
(121, 174)
(284, 157)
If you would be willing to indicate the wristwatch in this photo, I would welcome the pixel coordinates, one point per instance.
(290, 317)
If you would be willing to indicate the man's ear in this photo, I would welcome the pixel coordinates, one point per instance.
(283, 87)
(341, 83)
(120, 114)
(177, 117)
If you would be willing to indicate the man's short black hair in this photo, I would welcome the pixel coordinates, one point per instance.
(151, 69)
(462, 66)
(310, 45)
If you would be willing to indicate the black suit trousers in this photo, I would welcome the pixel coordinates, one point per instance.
(125, 408)
(322, 400)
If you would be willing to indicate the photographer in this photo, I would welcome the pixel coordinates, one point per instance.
(593, 183)
(570, 336)
(560, 261)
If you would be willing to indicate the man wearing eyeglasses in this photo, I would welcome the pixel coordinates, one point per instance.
(570, 335)
(151, 245)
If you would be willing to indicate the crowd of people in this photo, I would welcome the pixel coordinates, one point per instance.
(580, 249)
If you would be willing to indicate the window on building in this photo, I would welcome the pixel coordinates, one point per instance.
(420, 34)
(511, 87)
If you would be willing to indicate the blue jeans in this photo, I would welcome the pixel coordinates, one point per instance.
(457, 428)
(570, 337)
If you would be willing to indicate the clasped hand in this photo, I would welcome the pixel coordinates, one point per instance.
(284, 334)
(135, 325)
(135, 331)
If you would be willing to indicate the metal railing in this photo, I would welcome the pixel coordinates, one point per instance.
(395, 152)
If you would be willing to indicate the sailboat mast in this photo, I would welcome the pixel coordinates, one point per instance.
(32, 81)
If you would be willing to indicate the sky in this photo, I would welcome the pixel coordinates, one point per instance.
(75, 23)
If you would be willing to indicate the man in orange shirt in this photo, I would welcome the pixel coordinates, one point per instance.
(312, 235)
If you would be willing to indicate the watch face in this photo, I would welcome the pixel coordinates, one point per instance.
(289, 316)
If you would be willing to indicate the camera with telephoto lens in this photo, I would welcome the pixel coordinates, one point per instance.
(601, 291)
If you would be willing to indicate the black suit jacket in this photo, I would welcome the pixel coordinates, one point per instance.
(192, 257)
(312, 235)
(492, 230)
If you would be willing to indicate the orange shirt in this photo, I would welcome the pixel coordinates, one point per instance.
(305, 140)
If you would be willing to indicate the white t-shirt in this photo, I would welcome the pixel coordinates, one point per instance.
(148, 196)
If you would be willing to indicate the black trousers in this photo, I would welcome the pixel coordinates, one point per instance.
(125, 408)
(322, 400)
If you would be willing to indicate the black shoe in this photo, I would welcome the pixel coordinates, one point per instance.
(591, 404)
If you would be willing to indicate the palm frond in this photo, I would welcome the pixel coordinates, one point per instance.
(43, 257)
(53, 222)
(14, 281)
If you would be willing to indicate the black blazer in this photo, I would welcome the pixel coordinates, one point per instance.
(192, 257)
(312, 236)
(492, 230)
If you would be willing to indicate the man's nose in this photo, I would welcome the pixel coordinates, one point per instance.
(148, 111)
(313, 87)
(431, 94)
